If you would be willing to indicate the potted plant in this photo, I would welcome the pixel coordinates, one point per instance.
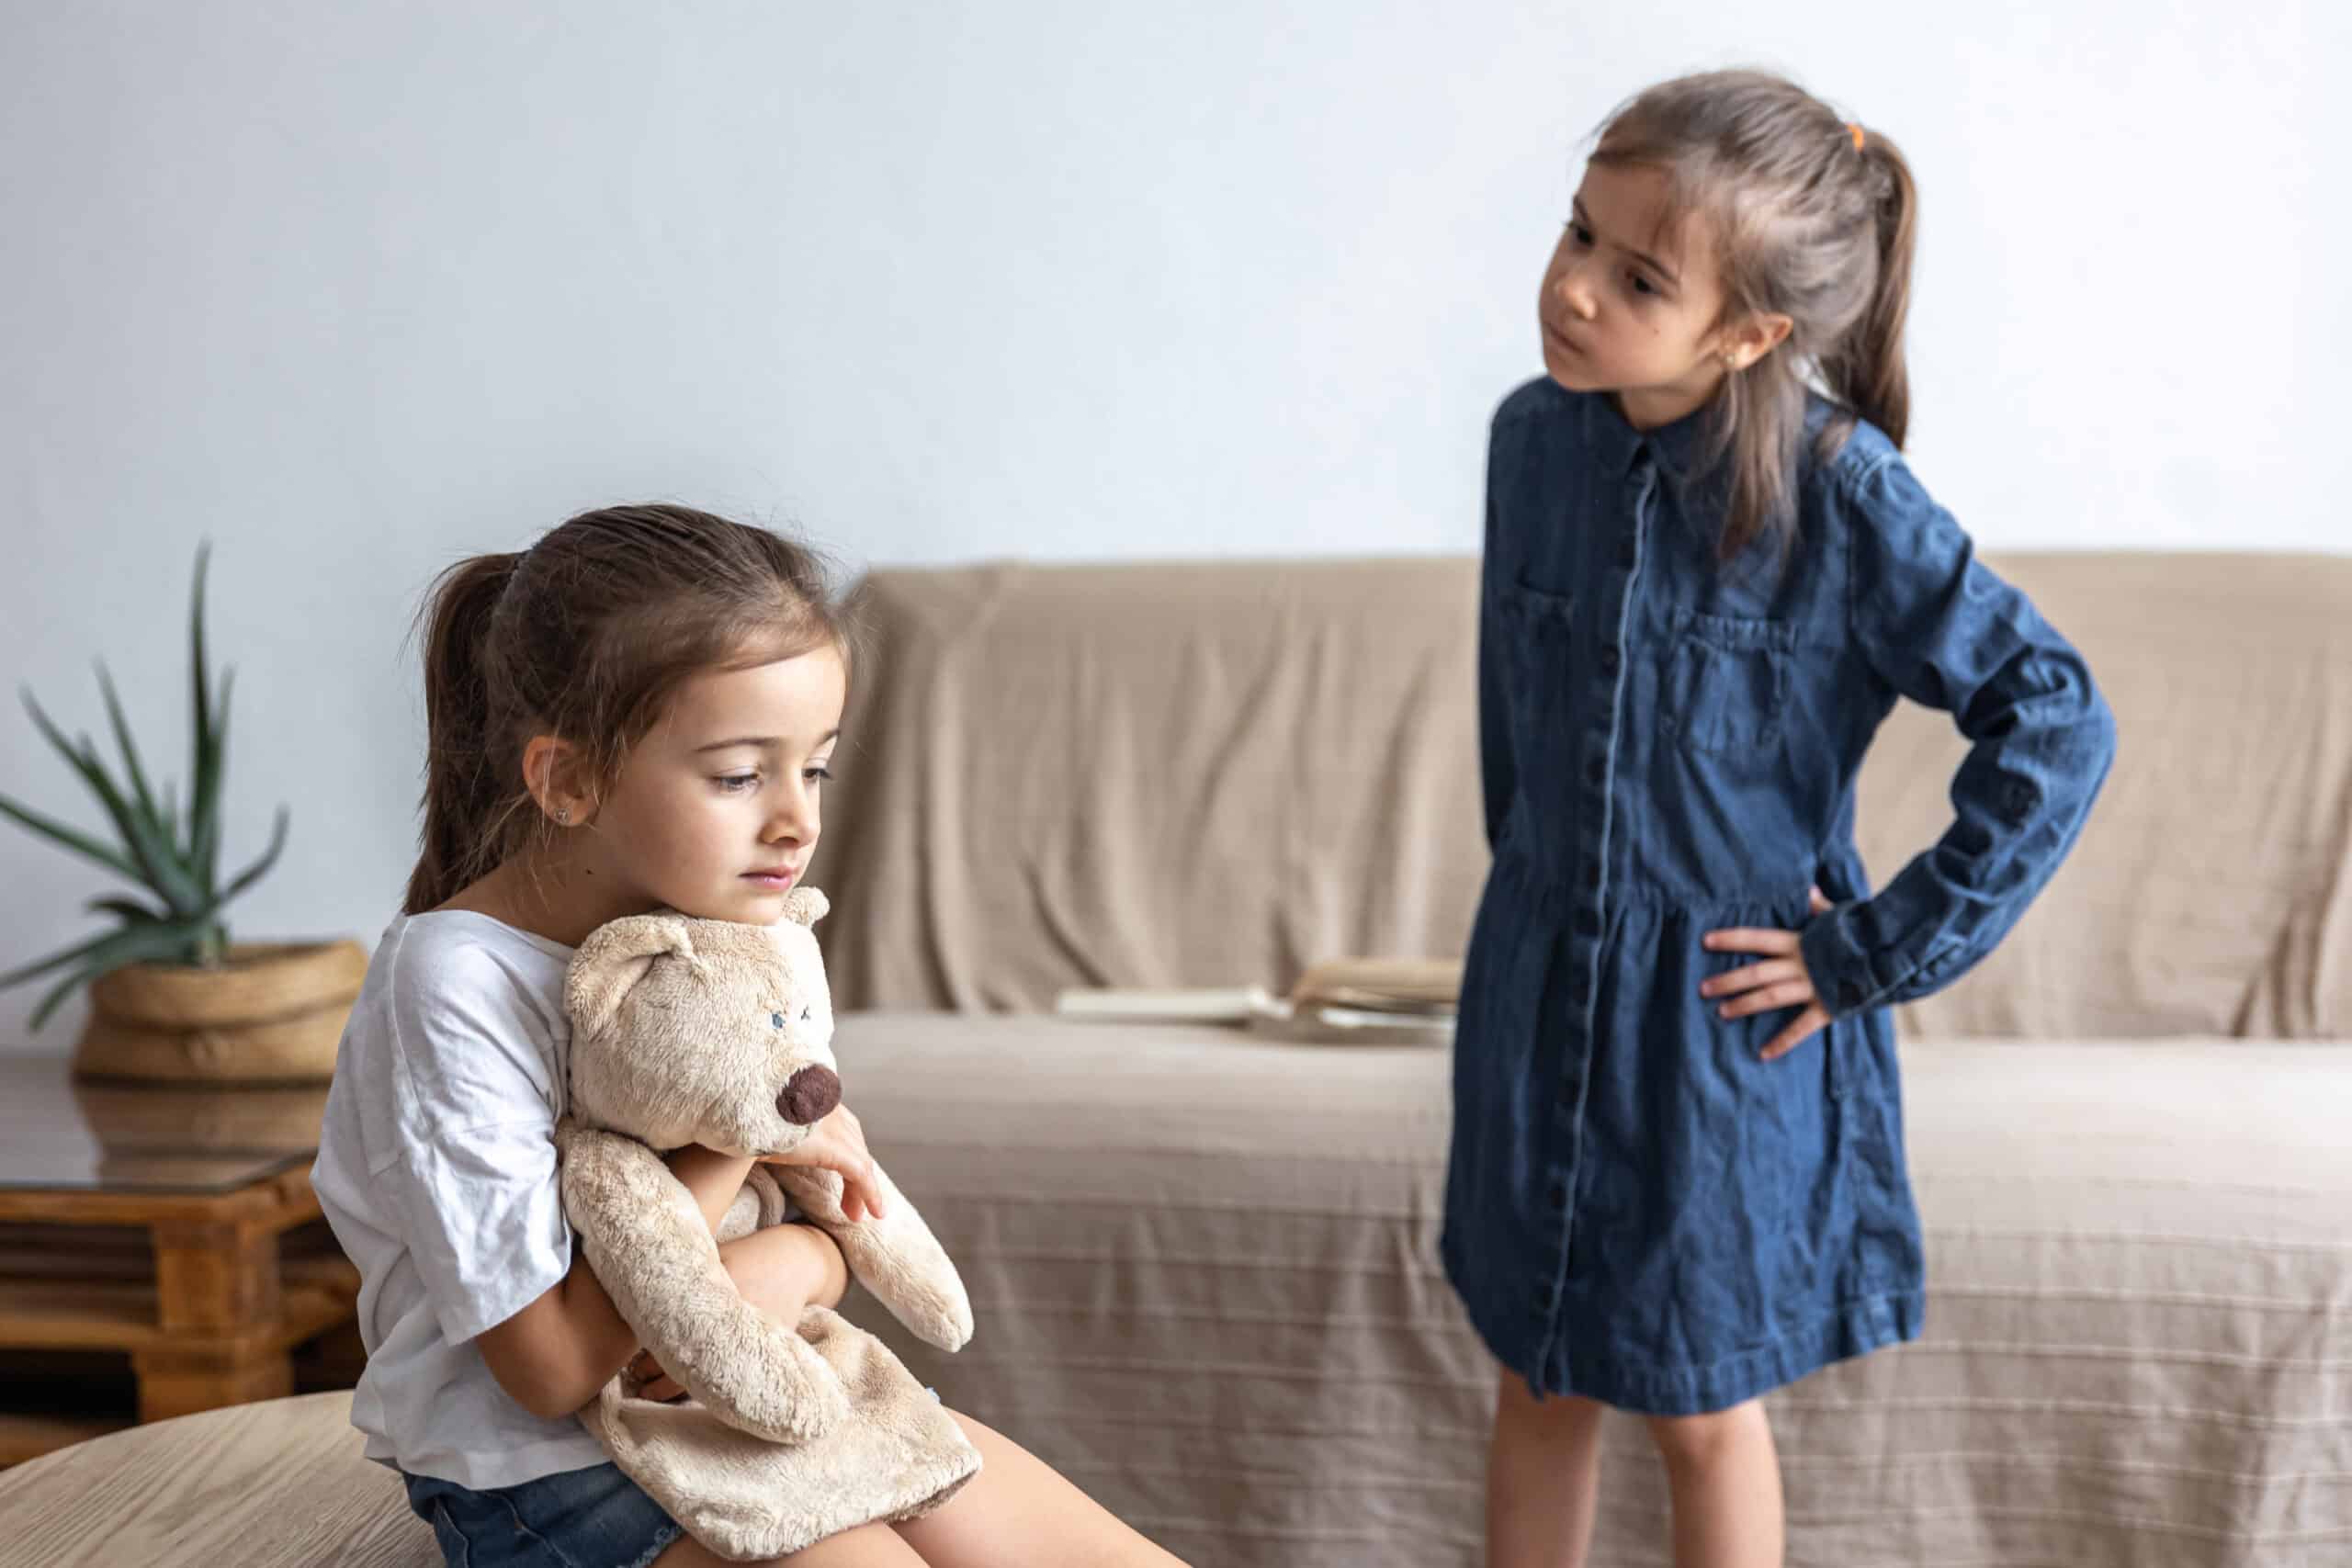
(170, 997)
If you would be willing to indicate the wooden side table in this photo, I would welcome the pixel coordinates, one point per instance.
(211, 1306)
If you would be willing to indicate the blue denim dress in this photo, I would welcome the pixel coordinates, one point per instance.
(1638, 1209)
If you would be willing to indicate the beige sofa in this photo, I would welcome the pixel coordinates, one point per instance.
(1205, 1267)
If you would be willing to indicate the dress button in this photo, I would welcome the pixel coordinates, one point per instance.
(1609, 661)
(1597, 770)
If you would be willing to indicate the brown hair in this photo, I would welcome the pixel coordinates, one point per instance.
(587, 635)
(1812, 219)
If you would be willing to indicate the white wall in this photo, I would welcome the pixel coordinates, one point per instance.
(354, 289)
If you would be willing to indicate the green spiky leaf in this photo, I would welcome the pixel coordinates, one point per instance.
(260, 868)
(139, 790)
(132, 944)
(40, 967)
(83, 759)
(128, 909)
(72, 838)
(157, 858)
(204, 742)
(204, 810)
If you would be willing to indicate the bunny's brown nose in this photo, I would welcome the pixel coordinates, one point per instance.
(809, 1097)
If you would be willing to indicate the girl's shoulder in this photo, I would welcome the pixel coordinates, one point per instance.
(1863, 451)
(1865, 494)
(460, 1005)
(1542, 397)
(447, 954)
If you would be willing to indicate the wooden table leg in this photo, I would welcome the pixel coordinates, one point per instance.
(218, 1296)
(181, 1382)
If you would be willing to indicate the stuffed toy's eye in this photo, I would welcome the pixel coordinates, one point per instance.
(806, 1011)
(777, 1019)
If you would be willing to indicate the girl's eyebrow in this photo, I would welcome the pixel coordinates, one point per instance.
(1651, 262)
(763, 742)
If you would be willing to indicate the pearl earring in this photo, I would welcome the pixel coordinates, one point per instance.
(563, 816)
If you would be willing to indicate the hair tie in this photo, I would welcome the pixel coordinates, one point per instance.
(1854, 129)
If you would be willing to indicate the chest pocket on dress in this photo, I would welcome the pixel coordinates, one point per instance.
(1728, 682)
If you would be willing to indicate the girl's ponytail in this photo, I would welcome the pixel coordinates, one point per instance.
(1815, 218)
(463, 794)
(1866, 371)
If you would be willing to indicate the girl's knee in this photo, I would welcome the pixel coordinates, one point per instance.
(1695, 1441)
(1518, 1404)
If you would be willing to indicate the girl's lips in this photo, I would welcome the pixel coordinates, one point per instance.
(774, 880)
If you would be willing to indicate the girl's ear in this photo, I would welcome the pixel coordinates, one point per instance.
(1750, 340)
(553, 773)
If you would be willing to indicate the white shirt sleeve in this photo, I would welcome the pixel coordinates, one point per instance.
(472, 1164)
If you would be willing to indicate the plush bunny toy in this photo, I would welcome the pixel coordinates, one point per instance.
(715, 1033)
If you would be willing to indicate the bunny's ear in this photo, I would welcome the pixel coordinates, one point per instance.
(804, 906)
(617, 955)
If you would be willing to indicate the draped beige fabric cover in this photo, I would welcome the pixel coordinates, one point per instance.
(1216, 774)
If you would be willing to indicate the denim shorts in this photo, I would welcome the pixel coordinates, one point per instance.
(596, 1518)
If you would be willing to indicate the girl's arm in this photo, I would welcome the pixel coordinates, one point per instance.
(1940, 628)
(713, 1178)
(552, 1356)
(557, 1354)
(1498, 773)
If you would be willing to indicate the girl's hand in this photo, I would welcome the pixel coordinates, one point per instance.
(1781, 980)
(838, 1143)
(664, 1387)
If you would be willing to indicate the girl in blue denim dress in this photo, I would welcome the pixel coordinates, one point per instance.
(1677, 1177)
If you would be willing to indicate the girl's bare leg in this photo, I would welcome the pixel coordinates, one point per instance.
(869, 1546)
(1019, 1512)
(1726, 1477)
(1543, 1478)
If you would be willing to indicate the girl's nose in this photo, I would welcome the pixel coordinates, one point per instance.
(795, 822)
(1570, 289)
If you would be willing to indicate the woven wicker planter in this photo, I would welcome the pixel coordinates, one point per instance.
(270, 1014)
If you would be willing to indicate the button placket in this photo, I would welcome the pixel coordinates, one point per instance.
(1588, 924)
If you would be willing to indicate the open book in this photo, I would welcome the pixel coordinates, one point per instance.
(1360, 1001)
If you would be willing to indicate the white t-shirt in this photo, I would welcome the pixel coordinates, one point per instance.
(437, 1169)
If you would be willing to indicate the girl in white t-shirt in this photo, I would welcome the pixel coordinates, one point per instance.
(637, 712)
